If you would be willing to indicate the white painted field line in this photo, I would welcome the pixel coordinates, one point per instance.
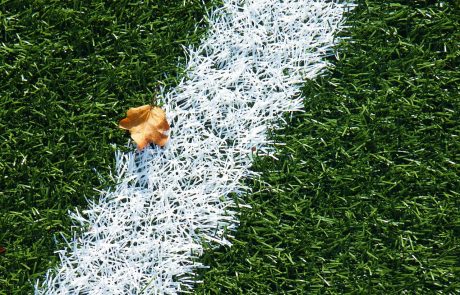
(144, 236)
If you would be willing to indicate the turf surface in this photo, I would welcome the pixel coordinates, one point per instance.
(365, 196)
(69, 70)
(363, 199)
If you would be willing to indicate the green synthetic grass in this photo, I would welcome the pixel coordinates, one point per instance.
(365, 196)
(363, 199)
(69, 70)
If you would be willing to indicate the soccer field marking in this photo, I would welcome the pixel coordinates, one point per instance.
(146, 233)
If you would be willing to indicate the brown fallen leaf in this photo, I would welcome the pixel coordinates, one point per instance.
(2, 250)
(147, 124)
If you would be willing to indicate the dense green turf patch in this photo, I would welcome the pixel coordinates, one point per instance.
(365, 196)
(68, 72)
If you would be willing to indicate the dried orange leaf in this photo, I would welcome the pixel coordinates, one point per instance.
(147, 124)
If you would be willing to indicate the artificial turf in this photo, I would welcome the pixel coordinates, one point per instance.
(69, 70)
(364, 196)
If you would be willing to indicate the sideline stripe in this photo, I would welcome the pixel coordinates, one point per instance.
(145, 235)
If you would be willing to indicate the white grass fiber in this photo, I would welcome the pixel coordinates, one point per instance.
(145, 235)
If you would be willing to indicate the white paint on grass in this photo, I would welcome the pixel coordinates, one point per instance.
(144, 236)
